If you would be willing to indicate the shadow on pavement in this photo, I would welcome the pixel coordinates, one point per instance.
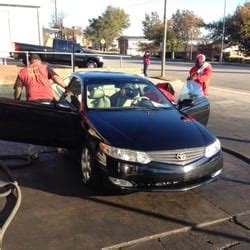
(234, 139)
(183, 223)
(235, 180)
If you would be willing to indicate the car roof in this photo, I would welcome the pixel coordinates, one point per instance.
(105, 74)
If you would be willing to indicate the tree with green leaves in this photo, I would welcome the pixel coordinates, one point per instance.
(237, 28)
(153, 28)
(107, 27)
(182, 27)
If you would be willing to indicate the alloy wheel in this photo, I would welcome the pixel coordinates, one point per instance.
(91, 64)
(86, 165)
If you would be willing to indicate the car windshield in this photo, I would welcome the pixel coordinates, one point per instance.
(190, 91)
(124, 94)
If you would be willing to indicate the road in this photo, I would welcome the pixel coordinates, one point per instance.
(58, 212)
(228, 76)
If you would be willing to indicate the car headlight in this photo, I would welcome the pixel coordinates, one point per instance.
(125, 154)
(213, 148)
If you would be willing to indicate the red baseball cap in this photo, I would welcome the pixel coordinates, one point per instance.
(201, 58)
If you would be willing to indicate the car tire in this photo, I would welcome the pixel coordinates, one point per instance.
(89, 173)
(91, 64)
(93, 178)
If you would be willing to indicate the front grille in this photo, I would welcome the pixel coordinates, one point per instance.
(178, 157)
(176, 185)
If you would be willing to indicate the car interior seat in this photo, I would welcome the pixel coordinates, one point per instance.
(98, 99)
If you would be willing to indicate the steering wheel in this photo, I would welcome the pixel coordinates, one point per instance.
(138, 99)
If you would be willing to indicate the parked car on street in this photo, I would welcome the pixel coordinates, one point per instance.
(83, 58)
(123, 130)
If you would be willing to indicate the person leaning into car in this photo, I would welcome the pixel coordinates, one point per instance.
(36, 78)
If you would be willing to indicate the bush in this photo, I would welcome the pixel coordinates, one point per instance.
(236, 59)
(247, 60)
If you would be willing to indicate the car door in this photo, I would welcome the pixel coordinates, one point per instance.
(54, 124)
(193, 102)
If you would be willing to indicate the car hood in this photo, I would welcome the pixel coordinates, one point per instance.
(149, 130)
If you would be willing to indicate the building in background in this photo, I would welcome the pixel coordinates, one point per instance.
(130, 45)
(19, 23)
(73, 34)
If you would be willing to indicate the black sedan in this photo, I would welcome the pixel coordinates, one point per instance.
(124, 131)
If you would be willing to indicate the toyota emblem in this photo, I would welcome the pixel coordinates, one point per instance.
(181, 156)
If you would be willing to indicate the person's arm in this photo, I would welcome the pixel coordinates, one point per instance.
(18, 89)
(205, 76)
(57, 79)
(192, 73)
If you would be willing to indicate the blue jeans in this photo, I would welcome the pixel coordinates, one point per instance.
(145, 69)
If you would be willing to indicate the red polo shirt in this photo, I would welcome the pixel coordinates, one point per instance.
(36, 80)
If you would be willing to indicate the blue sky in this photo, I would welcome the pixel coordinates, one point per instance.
(78, 12)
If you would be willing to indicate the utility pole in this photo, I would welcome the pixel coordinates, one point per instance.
(73, 54)
(223, 32)
(191, 44)
(55, 14)
(163, 56)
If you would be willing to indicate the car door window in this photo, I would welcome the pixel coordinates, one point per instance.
(74, 95)
(58, 90)
(62, 45)
(70, 47)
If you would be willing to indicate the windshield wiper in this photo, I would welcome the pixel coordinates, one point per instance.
(150, 108)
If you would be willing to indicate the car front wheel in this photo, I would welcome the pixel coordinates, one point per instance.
(91, 64)
(86, 167)
(90, 177)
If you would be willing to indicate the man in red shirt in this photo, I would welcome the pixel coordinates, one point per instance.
(36, 78)
(201, 72)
